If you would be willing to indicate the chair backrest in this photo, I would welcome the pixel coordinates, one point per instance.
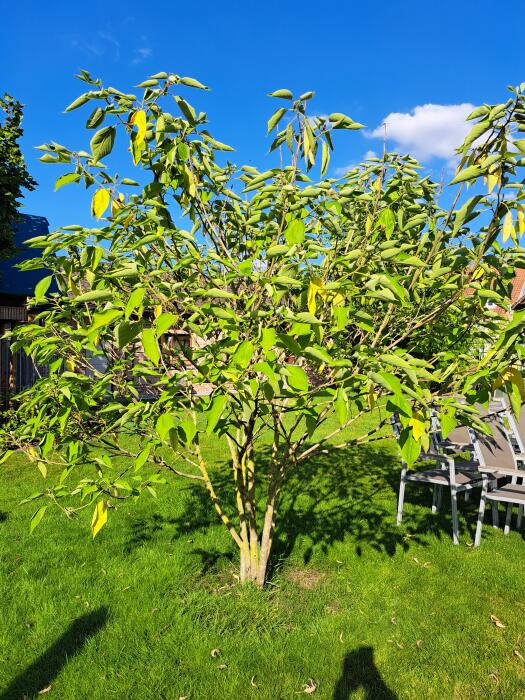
(517, 427)
(494, 450)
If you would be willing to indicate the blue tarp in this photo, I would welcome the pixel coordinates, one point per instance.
(18, 282)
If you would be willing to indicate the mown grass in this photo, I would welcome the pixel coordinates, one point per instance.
(355, 607)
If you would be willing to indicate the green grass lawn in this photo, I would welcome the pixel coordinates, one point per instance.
(356, 607)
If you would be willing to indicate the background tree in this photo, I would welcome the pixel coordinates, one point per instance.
(312, 303)
(13, 171)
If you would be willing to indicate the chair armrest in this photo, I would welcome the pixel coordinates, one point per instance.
(489, 469)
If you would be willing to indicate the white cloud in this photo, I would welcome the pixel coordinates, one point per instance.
(339, 172)
(97, 44)
(141, 55)
(427, 131)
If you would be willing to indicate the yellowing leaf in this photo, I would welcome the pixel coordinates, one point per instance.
(316, 287)
(417, 423)
(100, 518)
(117, 204)
(478, 274)
(338, 299)
(493, 180)
(511, 374)
(521, 220)
(508, 230)
(138, 119)
(100, 202)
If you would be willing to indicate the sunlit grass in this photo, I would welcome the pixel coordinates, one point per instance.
(354, 603)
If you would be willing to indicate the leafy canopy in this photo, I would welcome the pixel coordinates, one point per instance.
(305, 297)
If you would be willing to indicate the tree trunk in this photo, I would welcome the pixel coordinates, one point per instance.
(272, 502)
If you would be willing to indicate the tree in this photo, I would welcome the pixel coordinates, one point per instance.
(13, 172)
(308, 300)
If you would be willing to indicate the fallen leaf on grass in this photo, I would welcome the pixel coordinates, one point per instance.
(214, 653)
(252, 682)
(419, 642)
(497, 622)
(495, 677)
(310, 687)
(518, 654)
(222, 667)
(341, 637)
(45, 690)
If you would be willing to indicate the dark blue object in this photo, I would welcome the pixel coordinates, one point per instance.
(15, 282)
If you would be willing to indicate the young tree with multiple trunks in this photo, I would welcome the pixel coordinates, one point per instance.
(312, 302)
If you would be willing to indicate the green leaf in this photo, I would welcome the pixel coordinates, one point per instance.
(151, 82)
(191, 82)
(470, 173)
(410, 448)
(217, 293)
(215, 411)
(164, 322)
(275, 118)
(78, 102)
(66, 179)
(283, 94)
(135, 300)
(102, 142)
(104, 318)
(142, 457)
(127, 332)
(341, 406)
(94, 295)
(448, 423)
(189, 430)
(387, 221)
(297, 378)
(165, 423)
(294, 232)
(243, 354)
(275, 251)
(150, 345)
(268, 339)
(95, 119)
(42, 287)
(325, 158)
(183, 151)
(37, 517)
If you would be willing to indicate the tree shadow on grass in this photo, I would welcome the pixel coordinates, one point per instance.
(360, 672)
(344, 494)
(3, 516)
(42, 672)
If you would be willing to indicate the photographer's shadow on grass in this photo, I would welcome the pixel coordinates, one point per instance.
(359, 673)
(42, 672)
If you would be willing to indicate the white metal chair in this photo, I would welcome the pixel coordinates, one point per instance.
(458, 475)
(497, 457)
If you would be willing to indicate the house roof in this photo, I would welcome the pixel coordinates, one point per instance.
(518, 289)
(17, 282)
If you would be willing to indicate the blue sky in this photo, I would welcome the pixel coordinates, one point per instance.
(369, 60)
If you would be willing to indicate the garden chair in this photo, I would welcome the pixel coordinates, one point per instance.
(458, 475)
(497, 458)
(457, 441)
